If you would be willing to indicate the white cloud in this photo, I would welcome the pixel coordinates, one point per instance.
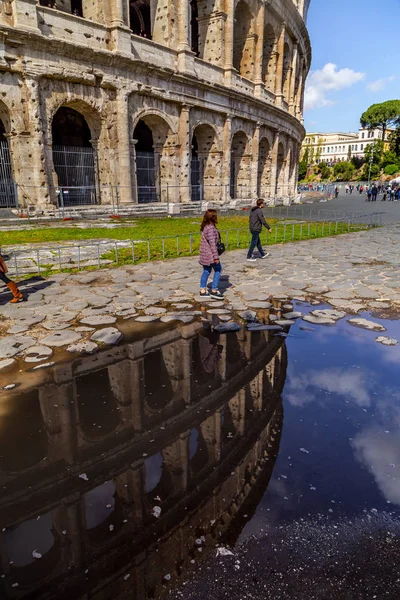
(324, 82)
(312, 386)
(379, 84)
(379, 452)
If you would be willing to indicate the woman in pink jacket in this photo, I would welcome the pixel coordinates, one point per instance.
(209, 257)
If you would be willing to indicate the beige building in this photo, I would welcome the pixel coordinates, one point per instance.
(150, 100)
(335, 147)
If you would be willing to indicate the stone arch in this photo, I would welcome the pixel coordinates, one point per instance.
(205, 165)
(74, 135)
(287, 70)
(154, 156)
(139, 18)
(264, 169)
(244, 40)
(90, 112)
(269, 58)
(240, 166)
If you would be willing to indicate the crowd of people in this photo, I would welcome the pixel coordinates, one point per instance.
(388, 192)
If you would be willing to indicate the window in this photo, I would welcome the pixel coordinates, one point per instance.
(356, 147)
(372, 133)
(362, 147)
(362, 135)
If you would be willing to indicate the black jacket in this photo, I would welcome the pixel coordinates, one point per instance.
(257, 220)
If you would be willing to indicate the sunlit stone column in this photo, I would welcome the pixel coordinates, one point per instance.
(258, 66)
(292, 99)
(279, 67)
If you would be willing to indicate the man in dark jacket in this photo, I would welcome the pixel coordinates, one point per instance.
(256, 222)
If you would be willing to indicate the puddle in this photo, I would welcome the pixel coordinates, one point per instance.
(123, 473)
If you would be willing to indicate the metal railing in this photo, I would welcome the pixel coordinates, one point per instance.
(87, 255)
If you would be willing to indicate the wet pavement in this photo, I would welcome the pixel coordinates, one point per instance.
(190, 465)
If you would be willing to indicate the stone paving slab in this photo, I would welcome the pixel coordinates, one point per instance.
(351, 273)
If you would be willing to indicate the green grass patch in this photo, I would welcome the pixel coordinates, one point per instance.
(140, 229)
(189, 245)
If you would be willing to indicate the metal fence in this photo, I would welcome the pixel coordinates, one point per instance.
(89, 255)
(8, 188)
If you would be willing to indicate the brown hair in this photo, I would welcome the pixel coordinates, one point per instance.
(210, 216)
(260, 201)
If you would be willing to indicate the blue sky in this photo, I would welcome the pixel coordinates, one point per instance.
(356, 52)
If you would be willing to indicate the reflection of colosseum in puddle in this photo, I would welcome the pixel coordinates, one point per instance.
(153, 423)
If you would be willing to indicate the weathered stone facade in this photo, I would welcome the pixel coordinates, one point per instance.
(210, 107)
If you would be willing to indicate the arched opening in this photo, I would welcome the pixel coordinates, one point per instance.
(20, 540)
(139, 18)
(287, 70)
(205, 164)
(153, 160)
(269, 58)
(74, 158)
(196, 174)
(198, 451)
(194, 27)
(74, 7)
(264, 169)
(158, 390)
(280, 170)
(98, 407)
(243, 41)
(103, 512)
(240, 166)
(8, 196)
(23, 434)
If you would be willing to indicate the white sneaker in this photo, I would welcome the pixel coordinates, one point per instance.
(251, 260)
(266, 255)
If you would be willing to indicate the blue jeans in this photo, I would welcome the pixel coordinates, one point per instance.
(206, 274)
(255, 241)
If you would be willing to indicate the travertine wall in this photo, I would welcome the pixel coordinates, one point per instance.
(241, 95)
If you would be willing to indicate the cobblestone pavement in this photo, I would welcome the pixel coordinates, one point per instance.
(83, 311)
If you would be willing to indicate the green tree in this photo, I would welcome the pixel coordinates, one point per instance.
(344, 170)
(324, 170)
(357, 162)
(394, 140)
(389, 158)
(375, 150)
(392, 169)
(303, 164)
(381, 115)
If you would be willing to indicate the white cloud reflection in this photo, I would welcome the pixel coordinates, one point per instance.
(379, 451)
(350, 383)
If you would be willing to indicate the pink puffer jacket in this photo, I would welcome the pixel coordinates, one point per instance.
(208, 245)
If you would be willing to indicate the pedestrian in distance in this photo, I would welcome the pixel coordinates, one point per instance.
(374, 192)
(12, 286)
(256, 223)
(369, 195)
(209, 256)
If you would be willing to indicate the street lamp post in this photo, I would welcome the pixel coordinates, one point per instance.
(371, 159)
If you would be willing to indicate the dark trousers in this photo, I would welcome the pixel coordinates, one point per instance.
(4, 277)
(255, 241)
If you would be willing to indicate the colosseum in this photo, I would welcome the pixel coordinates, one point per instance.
(150, 100)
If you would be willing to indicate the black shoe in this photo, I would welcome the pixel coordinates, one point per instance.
(217, 295)
(205, 294)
